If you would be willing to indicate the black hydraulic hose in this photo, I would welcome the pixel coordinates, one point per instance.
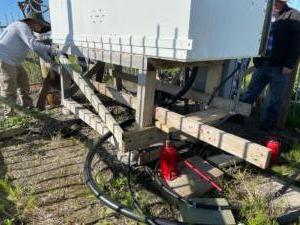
(223, 82)
(90, 182)
(133, 196)
(94, 187)
(185, 89)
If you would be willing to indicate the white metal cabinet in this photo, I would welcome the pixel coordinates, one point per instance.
(182, 30)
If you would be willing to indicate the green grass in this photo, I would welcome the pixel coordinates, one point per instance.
(117, 189)
(293, 120)
(15, 203)
(74, 63)
(14, 122)
(33, 68)
(255, 208)
(289, 162)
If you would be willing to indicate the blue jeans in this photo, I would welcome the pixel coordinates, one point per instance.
(277, 87)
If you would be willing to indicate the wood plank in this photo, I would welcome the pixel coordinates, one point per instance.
(224, 160)
(213, 78)
(210, 217)
(167, 64)
(210, 116)
(117, 80)
(145, 98)
(189, 184)
(147, 156)
(41, 102)
(90, 118)
(120, 97)
(164, 127)
(128, 77)
(242, 148)
(142, 138)
(87, 90)
(218, 102)
(100, 73)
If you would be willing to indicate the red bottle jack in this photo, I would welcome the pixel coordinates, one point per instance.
(274, 147)
(169, 161)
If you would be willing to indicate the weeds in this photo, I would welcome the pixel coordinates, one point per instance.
(16, 202)
(118, 189)
(14, 122)
(289, 162)
(255, 207)
(293, 120)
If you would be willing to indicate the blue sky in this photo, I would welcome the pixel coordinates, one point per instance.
(9, 10)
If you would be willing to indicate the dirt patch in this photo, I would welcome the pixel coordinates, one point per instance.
(49, 168)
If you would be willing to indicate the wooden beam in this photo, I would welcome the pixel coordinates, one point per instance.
(88, 117)
(243, 108)
(128, 77)
(167, 64)
(189, 184)
(223, 161)
(210, 116)
(165, 128)
(145, 98)
(223, 216)
(213, 77)
(121, 97)
(87, 90)
(137, 139)
(97, 69)
(117, 80)
(218, 102)
(242, 148)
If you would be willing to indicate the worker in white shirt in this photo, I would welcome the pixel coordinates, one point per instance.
(16, 41)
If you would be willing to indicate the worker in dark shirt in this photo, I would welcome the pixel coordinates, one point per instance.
(277, 65)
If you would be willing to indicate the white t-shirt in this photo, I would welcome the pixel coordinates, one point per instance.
(15, 42)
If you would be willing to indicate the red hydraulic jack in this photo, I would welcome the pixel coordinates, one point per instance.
(169, 160)
(275, 148)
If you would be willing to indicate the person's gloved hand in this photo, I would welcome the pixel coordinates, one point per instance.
(54, 50)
